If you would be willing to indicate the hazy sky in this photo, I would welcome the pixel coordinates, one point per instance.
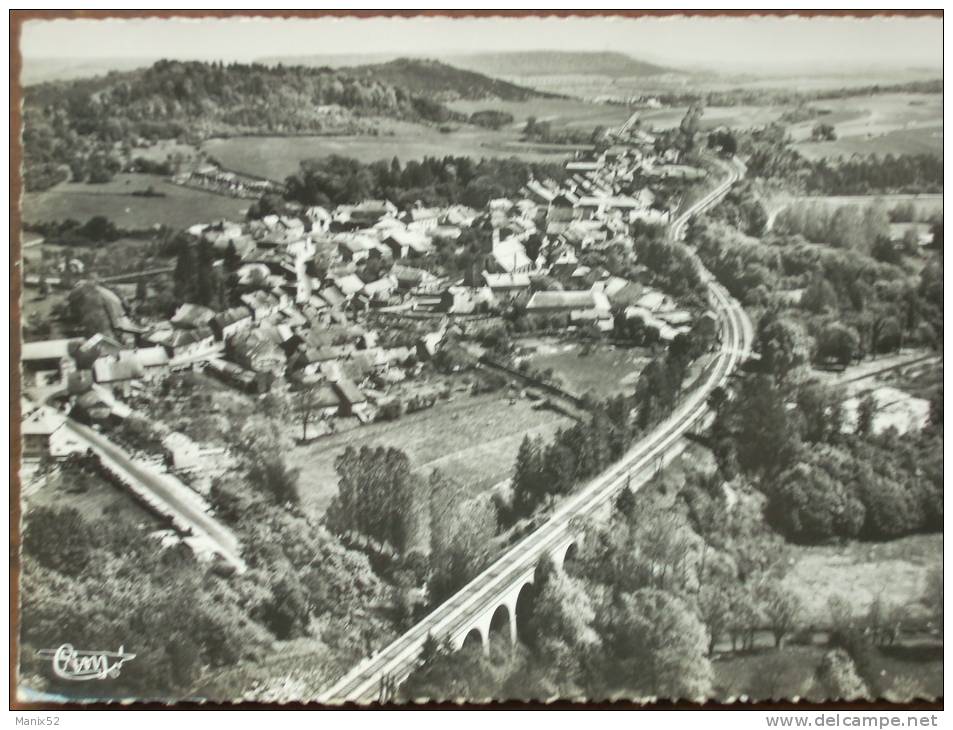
(736, 44)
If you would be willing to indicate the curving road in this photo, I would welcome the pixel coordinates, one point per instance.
(662, 444)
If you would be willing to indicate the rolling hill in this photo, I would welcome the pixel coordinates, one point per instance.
(85, 123)
(441, 81)
(557, 63)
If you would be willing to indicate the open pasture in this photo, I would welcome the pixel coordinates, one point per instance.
(276, 158)
(174, 206)
(877, 124)
(472, 439)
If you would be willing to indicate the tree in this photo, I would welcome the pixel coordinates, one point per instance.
(288, 611)
(810, 506)
(307, 401)
(654, 645)
(890, 506)
(88, 310)
(99, 229)
(448, 675)
(866, 411)
(744, 615)
(819, 296)
(714, 608)
(280, 482)
(723, 139)
(625, 501)
(838, 343)
(783, 345)
(932, 597)
(883, 249)
(823, 132)
(461, 531)
(559, 629)
(821, 412)
(58, 538)
(838, 678)
(690, 125)
(936, 235)
(889, 336)
(762, 431)
(377, 497)
(884, 621)
(232, 261)
(780, 607)
(528, 484)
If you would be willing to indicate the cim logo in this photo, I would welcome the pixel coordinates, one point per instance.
(79, 665)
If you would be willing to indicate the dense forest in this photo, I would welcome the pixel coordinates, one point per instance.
(441, 81)
(337, 180)
(87, 128)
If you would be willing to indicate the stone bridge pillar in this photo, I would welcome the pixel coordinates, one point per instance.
(564, 548)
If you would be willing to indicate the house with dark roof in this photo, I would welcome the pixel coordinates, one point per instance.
(405, 244)
(351, 397)
(237, 377)
(408, 277)
(254, 350)
(190, 316)
(125, 367)
(191, 342)
(507, 286)
(40, 430)
(91, 407)
(99, 345)
(261, 303)
(562, 208)
(369, 212)
(48, 356)
(227, 323)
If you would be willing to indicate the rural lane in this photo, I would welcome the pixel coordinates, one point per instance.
(165, 494)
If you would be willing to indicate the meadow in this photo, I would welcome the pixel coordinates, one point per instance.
(560, 113)
(861, 571)
(176, 206)
(736, 117)
(768, 673)
(878, 124)
(472, 439)
(603, 371)
(276, 158)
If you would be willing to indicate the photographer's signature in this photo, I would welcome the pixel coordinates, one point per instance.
(81, 665)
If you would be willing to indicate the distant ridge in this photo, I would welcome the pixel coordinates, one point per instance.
(441, 81)
(557, 63)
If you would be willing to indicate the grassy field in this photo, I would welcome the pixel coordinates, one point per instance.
(790, 671)
(277, 157)
(560, 113)
(180, 207)
(882, 124)
(860, 571)
(92, 496)
(739, 117)
(605, 371)
(588, 86)
(473, 439)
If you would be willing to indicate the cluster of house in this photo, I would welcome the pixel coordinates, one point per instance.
(212, 178)
(300, 284)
